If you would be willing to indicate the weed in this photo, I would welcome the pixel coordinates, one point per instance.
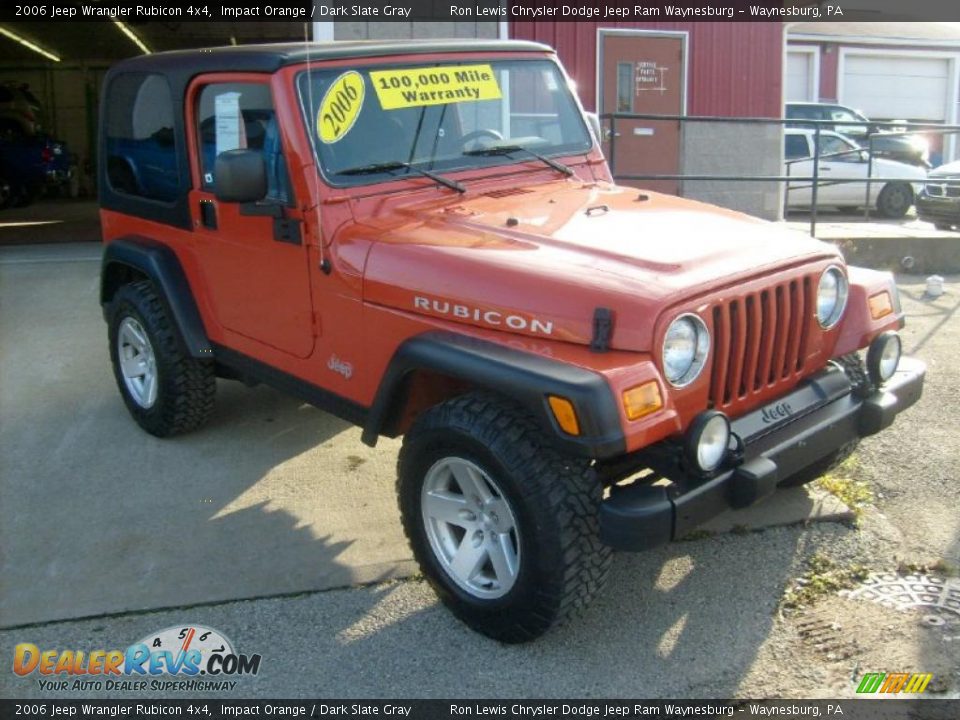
(823, 577)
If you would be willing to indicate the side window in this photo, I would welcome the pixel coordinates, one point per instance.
(796, 147)
(830, 145)
(142, 151)
(625, 87)
(241, 115)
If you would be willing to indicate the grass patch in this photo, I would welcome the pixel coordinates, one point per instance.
(823, 577)
(841, 483)
(697, 534)
(937, 567)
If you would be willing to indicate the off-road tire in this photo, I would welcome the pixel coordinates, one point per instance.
(186, 386)
(554, 498)
(853, 366)
(894, 200)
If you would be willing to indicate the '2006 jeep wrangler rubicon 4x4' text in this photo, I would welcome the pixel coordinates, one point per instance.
(424, 238)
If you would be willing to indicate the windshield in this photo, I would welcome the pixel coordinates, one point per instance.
(376, 123)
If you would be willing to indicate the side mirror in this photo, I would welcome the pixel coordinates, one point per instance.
(240, 176)
(593, 120)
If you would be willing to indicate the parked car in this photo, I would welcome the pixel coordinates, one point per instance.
(843, 159)
(910, 148)
(939, 200)
(827, 111)
(20, 109)
(32, 165)
(423, 238)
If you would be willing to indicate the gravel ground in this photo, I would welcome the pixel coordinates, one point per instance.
(696, 619)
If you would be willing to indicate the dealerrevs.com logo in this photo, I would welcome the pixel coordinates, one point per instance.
(189, 658)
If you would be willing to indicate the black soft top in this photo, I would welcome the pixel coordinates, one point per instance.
(179, 67)
(273, 56)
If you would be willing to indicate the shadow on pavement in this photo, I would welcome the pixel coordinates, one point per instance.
(97, 517)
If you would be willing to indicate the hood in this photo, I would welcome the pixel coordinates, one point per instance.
(887, 167)
(948, 170)
(539, 260)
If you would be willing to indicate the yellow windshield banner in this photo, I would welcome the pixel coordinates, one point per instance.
(416, 87)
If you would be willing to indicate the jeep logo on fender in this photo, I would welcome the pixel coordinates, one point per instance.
(775, 413)
(481, 315)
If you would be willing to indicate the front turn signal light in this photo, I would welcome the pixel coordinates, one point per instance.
(880, 305)
(565, 414)
(642, 400)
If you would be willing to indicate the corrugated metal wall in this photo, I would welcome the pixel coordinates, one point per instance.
(736, 69)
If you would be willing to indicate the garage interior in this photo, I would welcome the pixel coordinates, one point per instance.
(68, 87)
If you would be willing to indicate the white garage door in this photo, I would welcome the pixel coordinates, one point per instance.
(798, 81)
(896, 87)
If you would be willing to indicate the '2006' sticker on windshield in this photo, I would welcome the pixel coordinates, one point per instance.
(416, 87)
(340, 107)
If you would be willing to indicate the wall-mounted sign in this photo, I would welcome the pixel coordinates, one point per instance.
(650, 76)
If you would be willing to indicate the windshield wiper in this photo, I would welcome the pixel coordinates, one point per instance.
(399, 165)
(508, 149)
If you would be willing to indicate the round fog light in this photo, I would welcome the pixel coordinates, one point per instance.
(883, 357)
(707, 440)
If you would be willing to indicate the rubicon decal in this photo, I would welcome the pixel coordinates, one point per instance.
(180, 651)
(484, 316)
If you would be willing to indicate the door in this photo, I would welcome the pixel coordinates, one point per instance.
(894, 87)
(799, 77)
(642, 72)
(253, 256)
(843, 161)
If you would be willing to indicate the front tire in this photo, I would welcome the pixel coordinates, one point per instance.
(894, 200)
(504, 528)
(166, 391)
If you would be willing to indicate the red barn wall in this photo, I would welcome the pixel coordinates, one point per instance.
(735, 69)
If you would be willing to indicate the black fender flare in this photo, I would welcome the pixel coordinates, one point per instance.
(524, 377)
(160, 264)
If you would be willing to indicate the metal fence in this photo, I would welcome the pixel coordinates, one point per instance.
(609, 121)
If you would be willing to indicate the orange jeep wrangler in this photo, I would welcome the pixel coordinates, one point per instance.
(424, 238)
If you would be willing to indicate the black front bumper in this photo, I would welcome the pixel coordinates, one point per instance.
(938, 210)
(824, 416)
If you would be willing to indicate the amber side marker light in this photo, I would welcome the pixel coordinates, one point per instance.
(642, 400)
(565, 414)
(880, 305)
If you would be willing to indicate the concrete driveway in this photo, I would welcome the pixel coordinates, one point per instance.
(98, 517)
(272, 497)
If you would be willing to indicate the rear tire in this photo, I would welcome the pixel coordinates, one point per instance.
(944, 226)
(166, 391)
(504, 527)
(894, 200)
(856, 371)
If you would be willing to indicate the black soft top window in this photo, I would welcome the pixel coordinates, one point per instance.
(141, 145)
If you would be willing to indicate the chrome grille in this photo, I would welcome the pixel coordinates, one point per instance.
(943, 189)
(760, 340)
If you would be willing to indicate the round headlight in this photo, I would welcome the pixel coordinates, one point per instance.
(831, 297)
(685, 349)
(707, 440)
(883, 357)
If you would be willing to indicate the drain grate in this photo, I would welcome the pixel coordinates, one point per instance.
(937, 598)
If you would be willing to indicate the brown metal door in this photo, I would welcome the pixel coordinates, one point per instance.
(643, 73)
